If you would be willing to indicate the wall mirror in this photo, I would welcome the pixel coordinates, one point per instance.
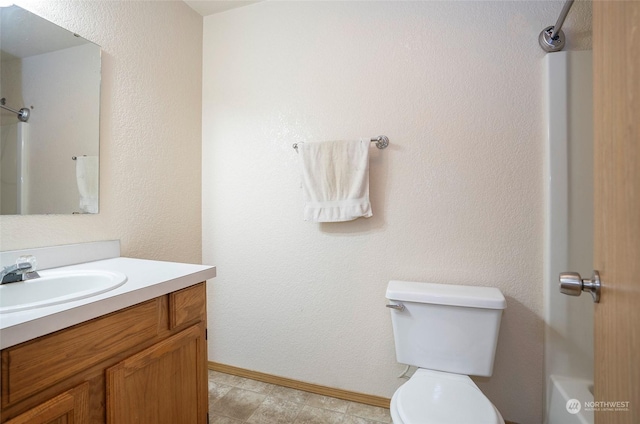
(49, 117)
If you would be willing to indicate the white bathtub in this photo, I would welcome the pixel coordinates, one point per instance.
(563, 390)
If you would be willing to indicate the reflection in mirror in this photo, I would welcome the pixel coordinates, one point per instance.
(49, 117)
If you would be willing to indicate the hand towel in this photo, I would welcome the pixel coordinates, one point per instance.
(87, 178)
(335, 180)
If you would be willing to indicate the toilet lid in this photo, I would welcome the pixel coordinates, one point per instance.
(441, 398)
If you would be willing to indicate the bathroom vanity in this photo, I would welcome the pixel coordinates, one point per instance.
(141, 359)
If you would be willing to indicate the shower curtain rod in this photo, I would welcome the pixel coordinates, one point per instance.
(23, 114)
(551, 38)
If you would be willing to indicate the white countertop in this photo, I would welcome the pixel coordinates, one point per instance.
(146, 280)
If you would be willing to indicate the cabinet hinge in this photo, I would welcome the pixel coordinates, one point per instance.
(207, 418)
(206, 334)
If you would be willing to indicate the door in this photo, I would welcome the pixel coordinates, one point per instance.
(616, 58)
(70, 407)
(164, 384)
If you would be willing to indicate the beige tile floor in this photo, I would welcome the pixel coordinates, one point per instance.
(237, 400)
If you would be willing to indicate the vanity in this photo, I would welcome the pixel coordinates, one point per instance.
(94, 337)
(134, 354)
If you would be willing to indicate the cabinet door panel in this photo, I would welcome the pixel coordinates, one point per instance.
(70, 407)
(188, 305)
(164, 384)
(35, 365)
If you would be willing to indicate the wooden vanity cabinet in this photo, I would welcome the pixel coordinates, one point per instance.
(143, 364)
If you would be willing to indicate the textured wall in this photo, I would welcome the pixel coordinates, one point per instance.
(457, 197)
(150, 140)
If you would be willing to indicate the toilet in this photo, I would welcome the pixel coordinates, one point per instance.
(449, 332)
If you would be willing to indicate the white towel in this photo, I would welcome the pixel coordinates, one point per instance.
(335, 180)
(87, 177)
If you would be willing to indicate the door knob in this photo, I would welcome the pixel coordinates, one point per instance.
(573, 285)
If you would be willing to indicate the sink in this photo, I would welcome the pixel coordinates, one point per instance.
(55, 287)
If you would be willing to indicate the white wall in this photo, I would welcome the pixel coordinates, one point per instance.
(9, 134)
(63, 123)
(457, 197)
(10, 87)
(11, 90)
(150, 131)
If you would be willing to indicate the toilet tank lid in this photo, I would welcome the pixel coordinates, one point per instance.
(446, 294)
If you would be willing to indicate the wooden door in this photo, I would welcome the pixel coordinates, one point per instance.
(164, 384)
(616, 58)
(70, 407)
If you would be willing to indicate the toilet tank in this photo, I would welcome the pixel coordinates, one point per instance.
(446, 327)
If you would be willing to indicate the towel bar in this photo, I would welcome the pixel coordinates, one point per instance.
(382, 141)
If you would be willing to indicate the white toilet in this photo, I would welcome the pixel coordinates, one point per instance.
(449, 332)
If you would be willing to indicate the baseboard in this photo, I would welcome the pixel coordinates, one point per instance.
(301, 385)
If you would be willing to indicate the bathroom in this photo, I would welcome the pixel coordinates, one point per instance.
(197, 120)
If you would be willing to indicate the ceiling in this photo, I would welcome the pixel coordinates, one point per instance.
(216, 6)
(25, 34)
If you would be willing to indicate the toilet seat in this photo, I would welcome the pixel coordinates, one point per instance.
(434, 397)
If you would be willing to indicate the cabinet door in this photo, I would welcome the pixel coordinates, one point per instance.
(164, 384)
(70, 407)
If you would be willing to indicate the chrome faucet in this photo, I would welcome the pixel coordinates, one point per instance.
(24, 269)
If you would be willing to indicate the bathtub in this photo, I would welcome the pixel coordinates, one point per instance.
(563, 390)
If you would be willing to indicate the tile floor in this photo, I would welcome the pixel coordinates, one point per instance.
(237, 400)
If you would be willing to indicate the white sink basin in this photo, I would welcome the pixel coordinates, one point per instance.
(55, 287)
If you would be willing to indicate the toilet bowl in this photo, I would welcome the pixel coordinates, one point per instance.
(433, 397)
(449, 332)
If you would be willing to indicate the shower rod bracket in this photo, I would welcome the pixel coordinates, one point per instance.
(23, 114)
(550, 42)
(551, 38)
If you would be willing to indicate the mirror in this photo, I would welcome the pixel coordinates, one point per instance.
(49, 117)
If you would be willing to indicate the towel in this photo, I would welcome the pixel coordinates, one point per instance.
(335, 180)
(87, 178)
